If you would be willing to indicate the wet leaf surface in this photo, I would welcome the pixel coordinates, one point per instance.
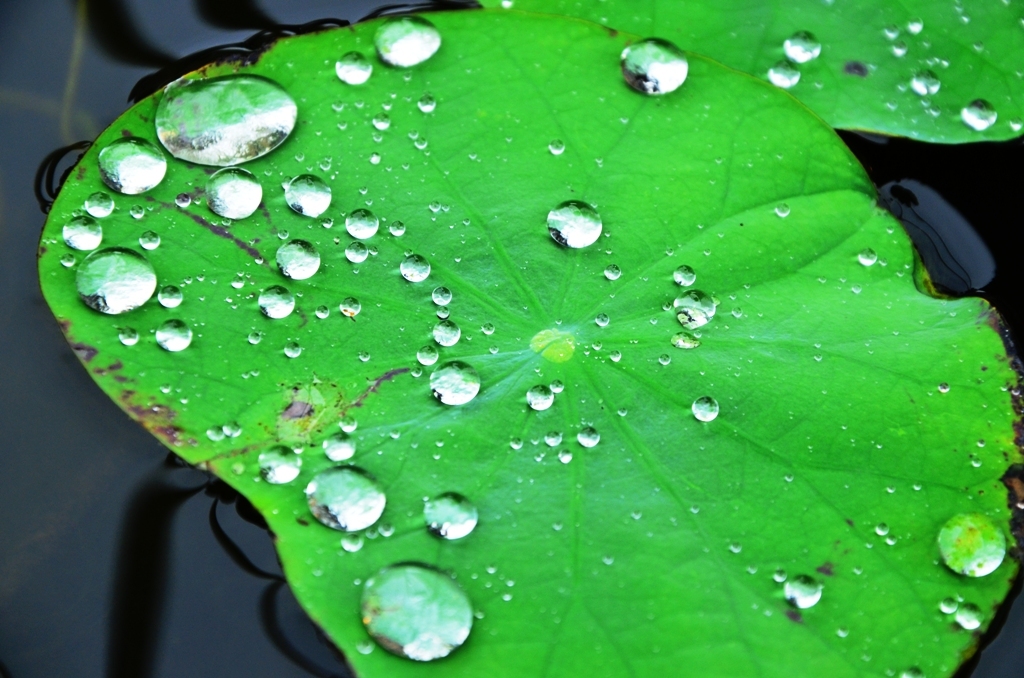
(665, 504)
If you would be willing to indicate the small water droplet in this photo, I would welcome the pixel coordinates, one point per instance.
(881, 529)
(115, 280)
(588, 436)
(233, 193)
(83, 233)
(912, 672)
(353, 69)
(867, 257)
(455, 383)
(276, 302)
(447, 333)
(298, 260)
(339, 446)
(397, 229)
(685, 340)
(350, 307)
(427, 355)
(414, 268)
(969, 616)
(899, 49)
(174, 335)
(132, 165)
(574, 224)
(943, 387)
(654, 66)
(308, 195)
(170, 296)
(183, 200)
(801, 47)
(255, 337)
(427, 103)
(601, 320)
(779, 575)
(612, 272)
(345, 498)
(556, 147)
(137, 211)
(450, 515)
(67, 260)
(784, 74)
(705, 408)
(279, 465)
(914, 26)
(406, 41)
(971, 544)
(802, 591)
(694, 309)
(441, 296)
(99, 205)
(684, 276)
(416, 611)
(540, 397)
(565, 456)
(149, 240)
(351, 543)
(381, 121)
(979, 115)
(948, 605)
(782, 210)
(925, 83)
(128, 336)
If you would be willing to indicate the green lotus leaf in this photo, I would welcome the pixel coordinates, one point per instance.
(905, 69)
(586, 513)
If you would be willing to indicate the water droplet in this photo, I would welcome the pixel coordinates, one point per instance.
(684, 276)
(899, 49)
(925, 83)
(654, 66)
(943, 387)
(414, 268)
(969, 616)
(339, 446)
(397, 229)
(450, 515)
(612, 272)
(406, 41)
(132, 165)
(574, 224)
(128, 336)
(322, 312)
(345, 498)
(276, 302)
(565, 456)
(802, 591)
(149, 240)
(441, 296)
(415, 611)
(705, 408)
(602, 320)
(115, 280)
(183, 200)
(99, 205)
(779, 575)
(971, 544)
(356, 252)
(912, 672)
(782, 210)
(979, 115)
(694, 309)
(867, 257)
(948, 605)
(350, 307)
(361, 224)
(685, 340)
(784, 74)
(174, 335)
(292, 349)
(224, 121)
(914, 26)
(279, 465)
(353, 69)
(427, 103)
(83, 233)
(381, 121)
(233, 193)
(298, 260)
(801, 47)
(488, 329)
(308, 195)
(540, 397)
(455, 383)
(352, 542)
(67, 260)
(137, 211)
(588, 436)
(255, 337)
(447, 333)
(664, 359)
(427, 355)
(881, 529)
(556, 147)
(170, 296)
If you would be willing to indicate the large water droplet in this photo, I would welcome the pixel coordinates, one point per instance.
(971, 544)
(540, 397)
(969, 616)
(406, 41)
(802, 591)
(801, 47)
(308, 195)
(450, 515)
(298, 260)
(174, 335)
(279, 465)
(276, 302)
(979, 115)
(115, 280)
(455, 383)
(233, 193)
(345, 498)
(705, 408)
(414, 268)
(447, 333)
(339, 447)
(694, 309)
(353, 69)
(925, 83)
(415, 611)
(132, 165)
(654, 66)
(362, 224)
(574, 224)
(99, 205)
(224, 121)
(83, 233)
(784, 74)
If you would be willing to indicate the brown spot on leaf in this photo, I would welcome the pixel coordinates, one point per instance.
(84, 352)
(795, 616)
(225, 233)
(857, 68)
(373, 388)
(826, 569)
(297, 410)
(302, 521)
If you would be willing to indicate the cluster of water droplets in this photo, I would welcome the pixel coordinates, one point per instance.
(799, 48)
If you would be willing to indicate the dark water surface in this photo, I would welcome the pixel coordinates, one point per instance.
(115, 561)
